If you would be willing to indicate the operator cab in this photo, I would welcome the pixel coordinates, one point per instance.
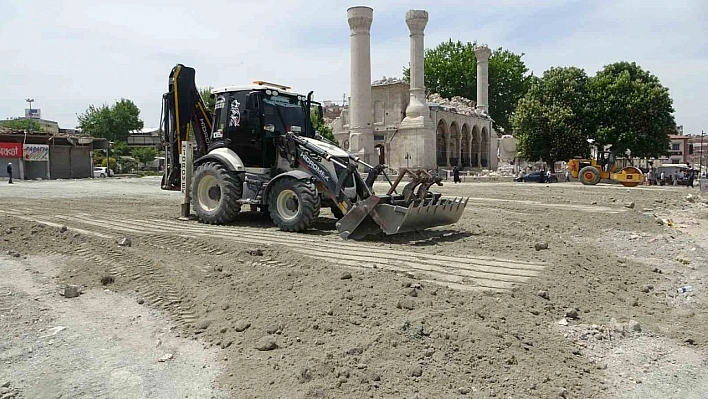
(248, 120)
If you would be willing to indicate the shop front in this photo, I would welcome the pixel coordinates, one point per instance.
(36, 158)
(11, 153)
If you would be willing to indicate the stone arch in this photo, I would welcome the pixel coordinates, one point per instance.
(485, 148)
(454, 144)
(465, 145)
(475, 144)
(440, 140)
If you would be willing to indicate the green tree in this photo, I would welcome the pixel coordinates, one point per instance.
(633, 110)
(119, 149)
(144, 155)
(21, 124)
(554, 119)
(209, 99)
(451, 70)
(319, 125)
(113, 123)
(113, 166)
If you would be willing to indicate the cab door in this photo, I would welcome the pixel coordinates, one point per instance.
(242, 129)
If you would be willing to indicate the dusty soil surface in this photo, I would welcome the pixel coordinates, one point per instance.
(469, 310)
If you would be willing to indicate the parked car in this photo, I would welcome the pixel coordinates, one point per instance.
(537, 176)
(102, 172)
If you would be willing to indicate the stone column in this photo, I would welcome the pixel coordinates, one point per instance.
(479, 150)
(482, 52)
(448, 150)
(417, 20)
(458, 150)
(469, 149)
(416, 132)
(361, 130)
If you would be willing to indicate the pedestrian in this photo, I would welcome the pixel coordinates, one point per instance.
(691, 177)
(662, 178)
(548, 176)
(676, 177)
(9, 171)
(456, 174)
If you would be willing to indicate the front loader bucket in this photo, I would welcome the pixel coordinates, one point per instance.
(371, 217)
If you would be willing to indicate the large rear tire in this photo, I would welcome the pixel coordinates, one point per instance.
(589, 176)
(294, 204)
(215, 194)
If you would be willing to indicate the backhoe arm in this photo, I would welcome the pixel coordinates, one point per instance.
(183, 108)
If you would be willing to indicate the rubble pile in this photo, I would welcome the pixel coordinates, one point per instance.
(386, 81)
(457, 104)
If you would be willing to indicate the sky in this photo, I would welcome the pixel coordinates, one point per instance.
(68, 54)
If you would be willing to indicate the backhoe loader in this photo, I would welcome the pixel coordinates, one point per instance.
(258, 147)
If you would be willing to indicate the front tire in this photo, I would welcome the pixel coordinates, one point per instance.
(215, 194)
(294, 204)
(589, 176)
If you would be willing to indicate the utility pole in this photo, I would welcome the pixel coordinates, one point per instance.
(700, 159)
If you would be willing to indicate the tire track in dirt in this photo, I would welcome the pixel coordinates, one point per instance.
(150, 282)
(464, 272)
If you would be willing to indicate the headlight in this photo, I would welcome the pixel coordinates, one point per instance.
(269, 128)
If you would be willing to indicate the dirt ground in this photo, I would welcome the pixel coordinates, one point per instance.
(246, 311)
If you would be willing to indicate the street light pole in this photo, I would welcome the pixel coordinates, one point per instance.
(29, 117)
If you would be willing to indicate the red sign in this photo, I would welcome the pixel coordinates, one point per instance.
(10, 150)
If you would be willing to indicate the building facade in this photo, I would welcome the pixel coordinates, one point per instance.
(394, 120)
(44, 156)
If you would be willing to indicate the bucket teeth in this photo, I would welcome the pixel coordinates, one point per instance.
(371, 217)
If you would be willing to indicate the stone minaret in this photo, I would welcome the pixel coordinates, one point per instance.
(361, 119)
(482, 52)
(416, 21)
(414, 143)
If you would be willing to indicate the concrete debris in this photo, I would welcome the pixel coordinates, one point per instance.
(563, 322)
(346, 276)
(125, 242)
(254, 251)
(406, 304)
(634, 326)
(571, 314)
(241, 326)
(682, 260)
(14, 254)
(690, 198)
(457, 104)
(543, 294)
(166, 357)
(105, 280)
(53, 331)
(266, 343)
(63, 229)
(71, 291)
(416, 371)
(630, 205)
(386, 81)
(540, 246)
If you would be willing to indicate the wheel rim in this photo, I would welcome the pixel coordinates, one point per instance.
(589, 176)
(287, 205)
(209, 193)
